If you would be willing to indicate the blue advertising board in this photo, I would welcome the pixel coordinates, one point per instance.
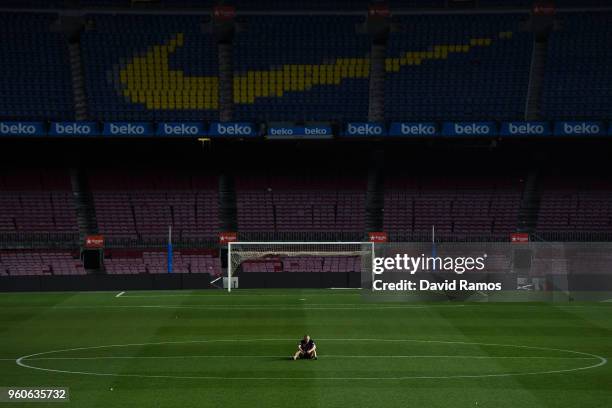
(416, 129)
(232, 129)
(22, 128)
(525, 129)
(365, 129)
(470, 129)
(73, 129)
(580, 128)
(289, 131)
(181, 129)
(133, 129)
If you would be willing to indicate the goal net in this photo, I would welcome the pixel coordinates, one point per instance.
(245, 257)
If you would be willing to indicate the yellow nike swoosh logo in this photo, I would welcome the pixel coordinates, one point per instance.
(148, 79)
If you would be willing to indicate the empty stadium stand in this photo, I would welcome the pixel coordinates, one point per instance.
(285, 204)
(317, 5)
(134, 206)
(577, 84)
(21, 263)
(311, 68)
(457, 67)
(155, 262)
(437, 67)
(33, 201)
(35, 80)
(574, 205)
(457, 207)
(150, 68)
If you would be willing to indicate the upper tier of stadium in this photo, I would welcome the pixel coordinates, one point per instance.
(267, 5)
(437, 66)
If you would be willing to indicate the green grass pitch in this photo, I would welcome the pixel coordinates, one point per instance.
(213, 349)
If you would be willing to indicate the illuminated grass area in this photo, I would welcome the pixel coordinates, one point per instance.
(208, 348)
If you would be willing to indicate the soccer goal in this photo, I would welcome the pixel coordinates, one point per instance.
(244, 257)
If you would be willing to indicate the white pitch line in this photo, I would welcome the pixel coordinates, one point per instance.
(297, 306)
(119, 294)
(233, 294)
(601, 361)
(244, 307)
(321, 356)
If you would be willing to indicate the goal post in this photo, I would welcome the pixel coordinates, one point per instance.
(310, 256)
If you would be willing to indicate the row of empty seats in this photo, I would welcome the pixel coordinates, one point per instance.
(303, 264)
(284, 204)
(457, 207)
(139, 206)
(157, 262)
(134, 206)
(569, 205)
(37, 211)
(21, 263)
(37, 201)
(323, 5)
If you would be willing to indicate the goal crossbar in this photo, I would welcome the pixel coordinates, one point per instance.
(269, 250)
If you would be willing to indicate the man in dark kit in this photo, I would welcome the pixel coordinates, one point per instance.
(307, 349)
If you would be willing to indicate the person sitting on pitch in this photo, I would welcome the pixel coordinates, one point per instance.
(306, 349)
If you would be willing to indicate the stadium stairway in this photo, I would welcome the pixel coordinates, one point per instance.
(530, 204)
(375, 193)
(542, 28)
(83, 201)
(227, 202)
(78, 82)
(536, 80)
(226, 81)
(376, 109)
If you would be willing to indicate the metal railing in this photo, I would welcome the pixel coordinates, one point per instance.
(42, 240)
(303, 236)
(50, 240)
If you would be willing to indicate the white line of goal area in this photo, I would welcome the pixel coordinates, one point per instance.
(577, 355)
